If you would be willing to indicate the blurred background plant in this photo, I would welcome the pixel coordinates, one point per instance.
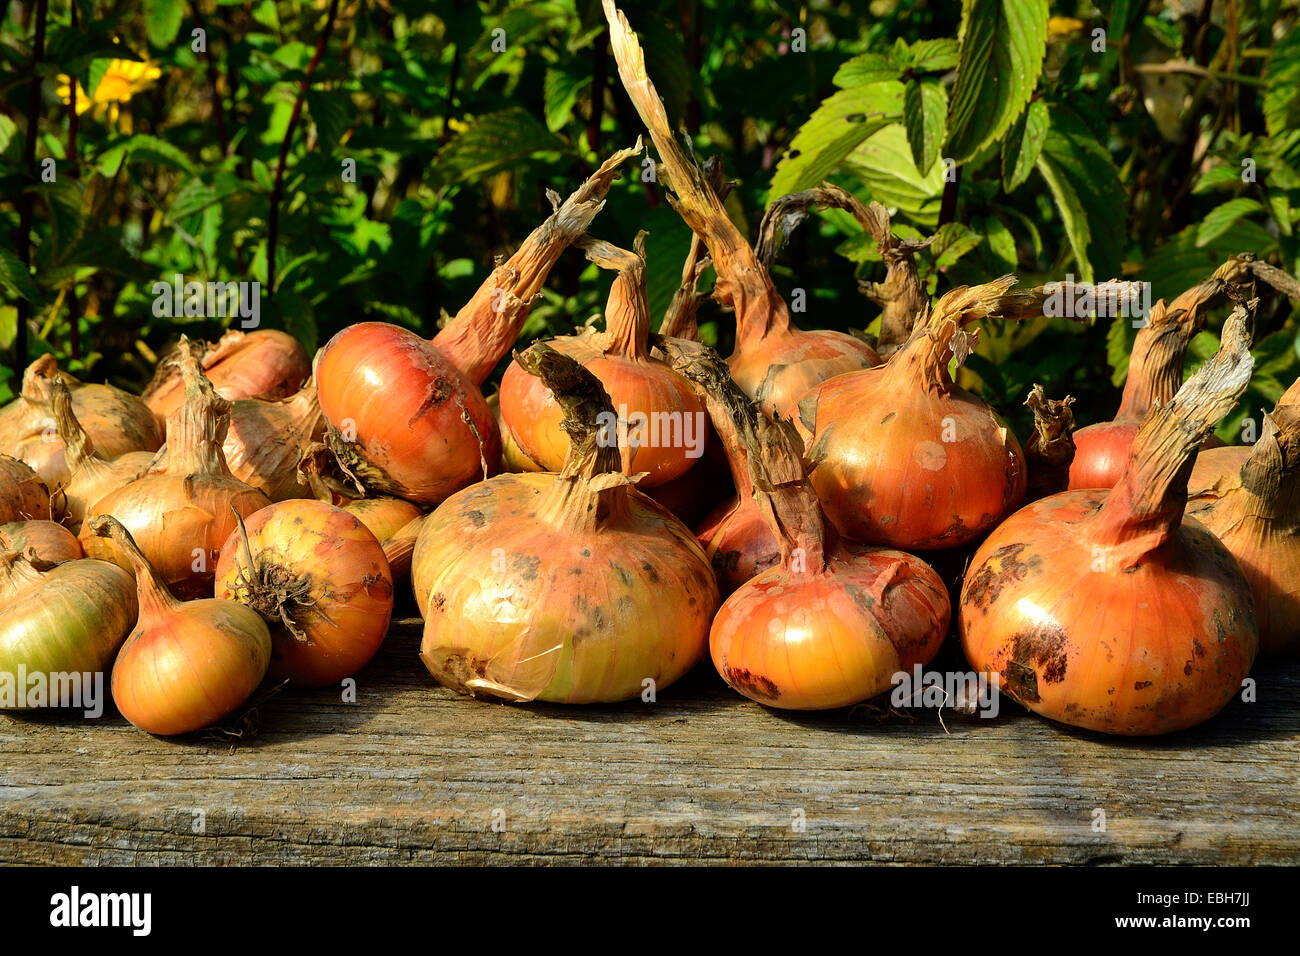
(375, 157)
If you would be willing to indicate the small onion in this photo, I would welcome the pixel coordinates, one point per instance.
(319, 578)
(69, 619)
(23, 495)
(181, 513)
(187, 665)
(46, 541)
(384, 517)
(571, 588)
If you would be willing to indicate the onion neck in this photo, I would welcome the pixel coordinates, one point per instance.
(18, 574)
(1146, 506)
(152, 593)
(1155, 368)
(627, 313)
(197, 430)
(1270, 478)
(484, 331)
(77, 446)
(1050, 449)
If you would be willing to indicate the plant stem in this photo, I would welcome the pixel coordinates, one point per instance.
(27, 201)
(599, 62)
(218, 111)
(273, 221)
(948, 205)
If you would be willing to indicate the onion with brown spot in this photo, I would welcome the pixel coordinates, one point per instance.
(1110, 609)
(572, 588)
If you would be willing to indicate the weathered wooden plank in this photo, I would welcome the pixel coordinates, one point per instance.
(411, 773)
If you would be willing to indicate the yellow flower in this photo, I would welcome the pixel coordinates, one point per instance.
(121, 81)
(1063, 26)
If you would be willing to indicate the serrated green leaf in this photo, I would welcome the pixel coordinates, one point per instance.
(162, 20)
(331, 111)
(1179, 263)
(1220, 219)
(934, 55)
(1280, 206)
(1119, 347)
(15, 277)
(491, 143)
(1023, 144)
(559, 92)
(149, 149)
(925, 114)
(952, 241)
(1000, 57)
(884, 165)
(866, 69)
(1282, 91)
(1217, 176)
(841, 123)
(1002, 244)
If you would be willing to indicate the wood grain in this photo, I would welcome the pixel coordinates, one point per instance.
(411, 773)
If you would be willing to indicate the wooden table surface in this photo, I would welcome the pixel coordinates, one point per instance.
(412, 773)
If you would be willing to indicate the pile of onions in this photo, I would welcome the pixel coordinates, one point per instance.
(774, 361)
(23, 495)
(405, 415)
(185, 665)
(116, 421)
(1154, 373)
(67, 619)
(319, 578)
(266, 439)
(902, 456)
(1108, 609)
(1255, 511)
(644, 390)
(46, 542)
(571, 588)
(90, 477)
(833, 622)
(265, 364)
(181, 513)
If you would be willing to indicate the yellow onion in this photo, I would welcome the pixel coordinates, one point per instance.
(570, 588)
(1255, 511)
(47, 542)
(665, 426)
(266, 364)
(116, 421)
(267, 438)
(185, 666)
(90, 477)
(23, 495)
(400, 548)
(182, 512)
(65, 620)
(383, 516)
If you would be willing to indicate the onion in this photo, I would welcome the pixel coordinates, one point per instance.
(1108, 609)
(116, 421)
(267, 438)
(692, 497)
(265, 364)
(774, 361)
(405, 415)
(400, 548)
(90, 477)
(23, 494)
(66, 620)
(513, 458)
(1154, 373)
(664, 422)
(902, 456)
(384, 517)
(46, 542)
(186, 665)
(319, 578)
(1255, 511)
(571, 588)
(833, 622)
(181, 514)
(1050, 448)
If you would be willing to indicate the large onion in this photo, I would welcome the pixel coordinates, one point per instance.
(405, 414)
(833, 622)
(117, 422)
(1110, 610)
(67, 620)
(266, 439)
(901, 455)
(266, 364)
(1255, 511)
(319, 578)
(774, 361)
(665, 424)
(571, 588)
(181, 513)
(186, 665)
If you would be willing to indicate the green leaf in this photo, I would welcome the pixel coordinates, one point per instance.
(1217, 176)
(559, 92)
(934, 55)
(15, 277)
(866, 69)
(1086, 187)
(1179, 263)
(1021, 147)
(332, 112)
(841, 123)
(884, 165)
(951, 242)
(1280, 206)
(1002, 244)
(925, 113)
(151, 149)
(1119, 347)
(162, 19)
(1282, 90)
(493, 142)
(1221, 219)
(1002, 43)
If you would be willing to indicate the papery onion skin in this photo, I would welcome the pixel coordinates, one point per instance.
(779, 369)
(267, 438)
(47, 541)
(1213, 464)
(70, 619)
(490, 581)
(873, 612)
(23, 495)
(400, 548)
(338, 578)
(738, 542)
(266, 364)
